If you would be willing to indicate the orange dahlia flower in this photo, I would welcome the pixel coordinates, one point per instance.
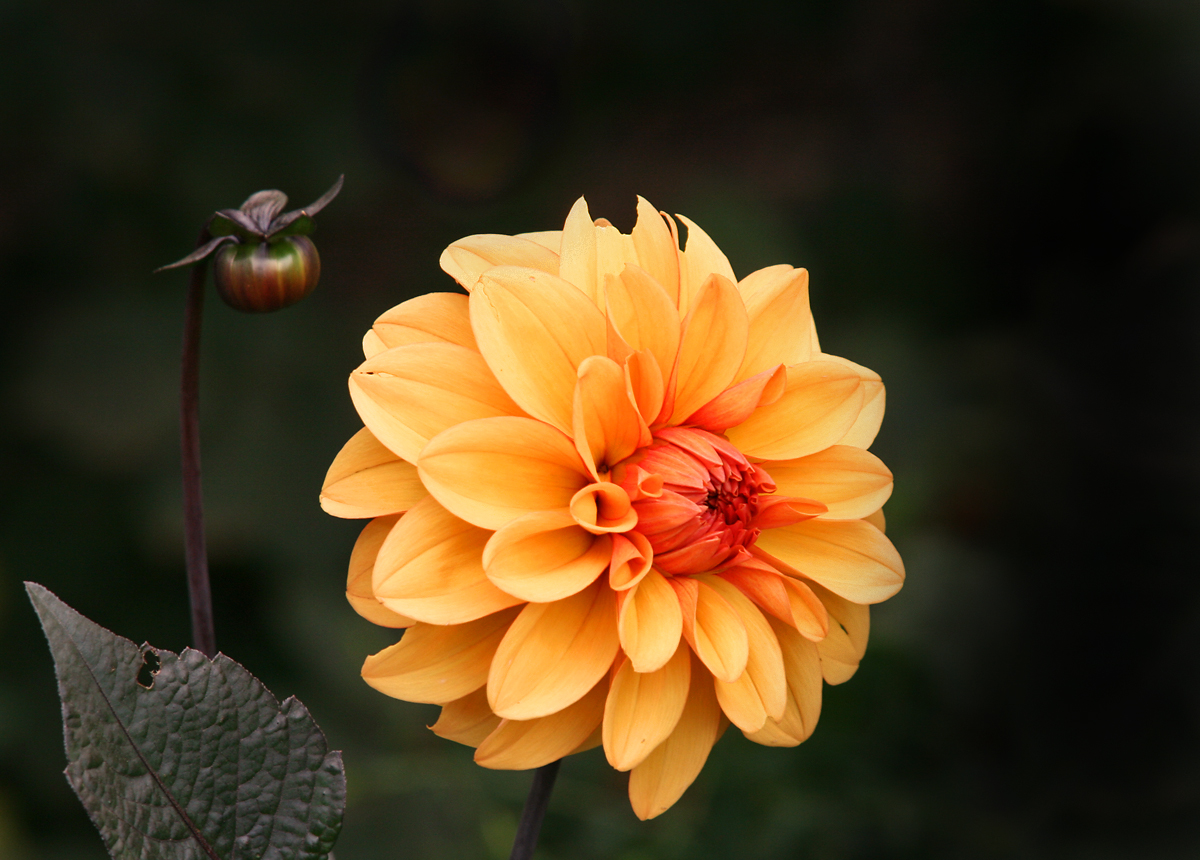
(618, 497)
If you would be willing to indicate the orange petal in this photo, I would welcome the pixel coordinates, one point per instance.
(535, 330)
(665, 774)
(470, 257)
(467, 720)
(372, 344)
(368, 480)
(738, 402)
(877, 519)
(802, 664)
(822, 401)
(776, 301)
(657, 249)
(788, 599)
(643, 708)
(650, 622)
(491, 471)
(631, 558)
(545, 556)
(409, 394)
(438, 664)
(577, 259)
(431, 318)
(866, 426)
(778, 511)
(713, 628)
(849, 557)
(761, 691)
(711, 348)
(640, 310)
(702, 259)
(603, 507)
(852, 482)
(645, 384)
(607, 425)
(362, 566)
(553, 654)
(524, 744)
(849, 628)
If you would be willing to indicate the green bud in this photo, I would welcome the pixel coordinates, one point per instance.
(266, 276)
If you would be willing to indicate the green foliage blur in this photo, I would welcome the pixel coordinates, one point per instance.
(999, 203)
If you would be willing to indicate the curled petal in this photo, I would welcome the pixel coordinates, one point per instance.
(432, 318)
(853, 483)
(761, 691)
(603, 507)
(643, 708)
(802, 664)
(535, 330)
(491, 471)
(777, 511)
(630, 561)
(469, 258)
(737, 403)
(544, 556)
(430, 568)
(524, 744)
(777, 305)
(645, 384)
(713, 628)
(409, 394)
(367, 480)
(438, 664)
(553, 654)
(467, 720)
(359, 590)
(849, 557)
(712, 346)
(657, 248)
(607, 425)
(650, 622)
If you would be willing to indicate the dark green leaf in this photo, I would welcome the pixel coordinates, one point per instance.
(177, 757)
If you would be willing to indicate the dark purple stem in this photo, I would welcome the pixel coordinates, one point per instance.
(535, 811)
(199, 592)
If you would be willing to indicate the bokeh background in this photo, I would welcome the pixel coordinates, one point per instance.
(999, 202)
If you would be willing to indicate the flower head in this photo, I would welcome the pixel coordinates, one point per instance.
(617, 497)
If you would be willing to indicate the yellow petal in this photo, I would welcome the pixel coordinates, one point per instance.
(553, 654)
(702, 259)
(467, 720)
(644, 315)
(665, 774)
(761, 691)
(438, 664)
(545, 556)
(535, 330)
(877, 519)
(602, 508)
(643, 709)
(372, 344)
(368, 480)
(712, 346)
(849, 628)
(849, 557)
(430, 568)
(607, 425)
(577, 260)
(852, 483)
(409, 394)
(469, 258)
(713, 628)
(776, 301)
(822, 401)
(862, 433)
(491, 471)
(551, 239)
(650, 622)
(803, 667)
(359, 589)
(431, 318)
(645, 383)
(524, 744)
(657, 249)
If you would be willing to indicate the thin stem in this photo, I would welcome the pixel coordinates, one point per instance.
(535, 811)
(199, 592)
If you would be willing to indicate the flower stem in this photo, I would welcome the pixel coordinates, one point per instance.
(199, 592)
(535, 811)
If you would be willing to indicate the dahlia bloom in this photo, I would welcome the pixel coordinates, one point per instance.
(617, 497)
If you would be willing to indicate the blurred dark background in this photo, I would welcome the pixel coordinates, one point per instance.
(999, 202)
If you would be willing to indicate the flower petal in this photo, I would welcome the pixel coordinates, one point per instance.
(577, 259)
(645, 384)
(491, 471)
(738, 402)
(603, 507)
(367, 480)
(544, 556)
(438, 664)
(551, 239)
(359, 590)
(853, 483)
(665, 774)
(713, 628)
(802, 663)
(776, 301)
(524, 744)
(643, 708)
(607, 425)
(430, 569)
(650, 622)
(788, 599)
(712, 346)
(761, 691)
(467, 720)
(822, 401)
(866, 426)
(657, 249)
(409, 394)
(640, 310)
(431, 318)
(630, 562)
(470, 257)
(849, 557)
(849, 629)
(553, 654)
(535, 330)
(703, 259)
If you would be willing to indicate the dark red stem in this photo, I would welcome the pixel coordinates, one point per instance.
(535, 811)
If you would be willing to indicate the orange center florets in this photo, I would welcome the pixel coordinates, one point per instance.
(696, 498)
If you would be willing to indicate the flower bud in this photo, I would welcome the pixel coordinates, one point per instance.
(257, 277)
